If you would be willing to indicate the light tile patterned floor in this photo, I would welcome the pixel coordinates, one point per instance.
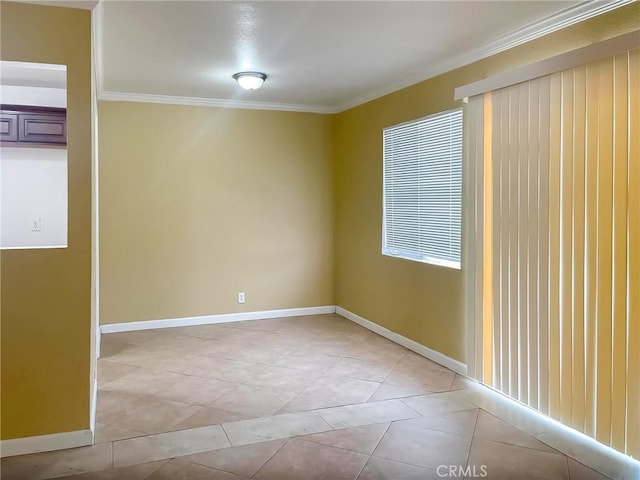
(304, 398)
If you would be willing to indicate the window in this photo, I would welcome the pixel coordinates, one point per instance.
(423, 189)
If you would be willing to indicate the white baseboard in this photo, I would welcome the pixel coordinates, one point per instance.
(420, 349)
(211, 319)
(45, 443)
(98, 342)
(437, 357)
(94, 407)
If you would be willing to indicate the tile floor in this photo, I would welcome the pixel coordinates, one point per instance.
(306, 398)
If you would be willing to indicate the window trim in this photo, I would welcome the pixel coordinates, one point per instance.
(410, 255)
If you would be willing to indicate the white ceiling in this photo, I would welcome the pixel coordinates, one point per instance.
(318, 56)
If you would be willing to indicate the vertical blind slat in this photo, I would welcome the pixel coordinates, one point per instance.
(513, 296)
(591, 248)
(543, 242)
(566, 247)
(523, 243)
(577, 264)
(619, 284)
(633, 261)
(554, 247)
(486, 217)
(533, 257)
(603, 287)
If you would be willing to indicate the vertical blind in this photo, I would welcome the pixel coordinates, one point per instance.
(559, 225)
(422, 189)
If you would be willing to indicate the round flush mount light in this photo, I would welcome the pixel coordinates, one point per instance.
(250, 80)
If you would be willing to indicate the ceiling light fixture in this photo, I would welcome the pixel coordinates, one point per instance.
(250, 80)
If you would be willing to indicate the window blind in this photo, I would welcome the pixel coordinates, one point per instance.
(423, 189)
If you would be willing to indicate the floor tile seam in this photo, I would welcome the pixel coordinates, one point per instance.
(106, 359)
(247, 384)
(380, 440)
(157, 391)
(582, 463)
(351, 357)
(433, 429)
(271, 456)
(319, 415)
(373, 394)
(195, 462)
(172, 456)
(555, 450)
(363, 465)
(226, 435)
(161, 463)
(586, 466)
(288, 439)
(569, 476)
(453, 379)
(473, 436)
(332, 406)
(301, 438)
(409, 406)
(403, 462)
(139, 434)
(150, 395)
(353, 377)
(182, 430)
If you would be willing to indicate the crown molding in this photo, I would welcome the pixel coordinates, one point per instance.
(79, 4)
(97, 21)
(210, 102)
(564, 18)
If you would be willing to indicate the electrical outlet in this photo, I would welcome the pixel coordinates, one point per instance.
(240, 297)
(36, 224)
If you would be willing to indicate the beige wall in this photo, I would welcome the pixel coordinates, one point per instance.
(45, 317)
(199, 203)
(420, 301)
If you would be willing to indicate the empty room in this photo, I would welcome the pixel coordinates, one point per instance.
(331, 240)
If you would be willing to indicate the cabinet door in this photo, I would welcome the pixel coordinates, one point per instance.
(42, 128)
(8, 127)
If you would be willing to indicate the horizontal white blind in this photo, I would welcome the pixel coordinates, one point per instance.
(423, 189)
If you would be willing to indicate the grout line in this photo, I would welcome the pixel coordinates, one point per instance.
(274, 454)
(566, 459)
(409, 407)
(473, 435)
(407, 463)
(380, 441)
(226, 435)
(331, 427)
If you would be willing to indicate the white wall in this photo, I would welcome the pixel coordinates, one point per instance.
(33, 184)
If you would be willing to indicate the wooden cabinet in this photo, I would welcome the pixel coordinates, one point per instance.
(33, 125)
(8, 127)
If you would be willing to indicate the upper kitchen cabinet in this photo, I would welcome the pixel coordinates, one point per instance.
(33, 125)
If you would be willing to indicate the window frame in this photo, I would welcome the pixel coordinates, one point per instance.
(424, 257)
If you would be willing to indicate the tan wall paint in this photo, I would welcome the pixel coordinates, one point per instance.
(199, 203)
(420, 301)
(46, 294)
